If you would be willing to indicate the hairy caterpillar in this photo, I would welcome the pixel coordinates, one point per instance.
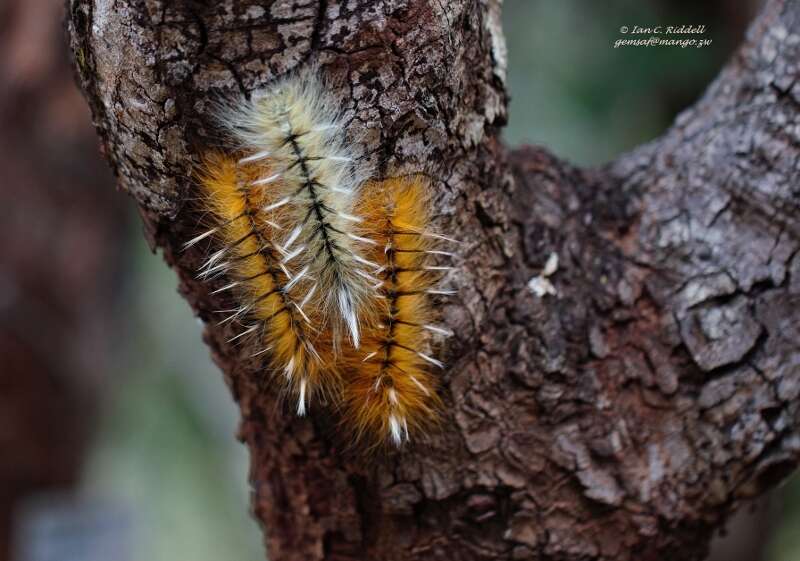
(390, 391)
(305, 268)
(293, 131)
(270, 294)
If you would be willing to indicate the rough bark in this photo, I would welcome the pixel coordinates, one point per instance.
(623, 417)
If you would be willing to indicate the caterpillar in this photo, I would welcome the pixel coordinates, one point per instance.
(390, 390)
(315, 251)
(269, 293)
(293, 132)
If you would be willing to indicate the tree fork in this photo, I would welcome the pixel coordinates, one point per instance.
(623, 417)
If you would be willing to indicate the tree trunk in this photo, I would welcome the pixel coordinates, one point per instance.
(622, 417)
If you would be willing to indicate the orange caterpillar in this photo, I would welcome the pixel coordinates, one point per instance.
(269, 294)
(390, 391)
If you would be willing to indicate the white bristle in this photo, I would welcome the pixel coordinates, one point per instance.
(288, 370)
(419, 385)
(430, 359)
(363, 261)
(214, 271)
(301, 401)
(439, 330)
(394, 430)
(348, 313)
(308, 295)
(367, 276)
(239, 312)
(291, 255)
(439, 237)
(255, 157)
(273, 206)
(251, 329)
(302, 313)
(199, 238)
(295, 280)
(440, 252)
(261, 352)
(362, 239)
(216, 256)
(226, 287)
(313, 352)
(265, 180)
(292, 237)
(349, 217)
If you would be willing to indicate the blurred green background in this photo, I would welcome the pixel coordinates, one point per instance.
(166, 443)
(165, 448)
(573, 92)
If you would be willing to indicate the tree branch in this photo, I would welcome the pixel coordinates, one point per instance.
(622, 417)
